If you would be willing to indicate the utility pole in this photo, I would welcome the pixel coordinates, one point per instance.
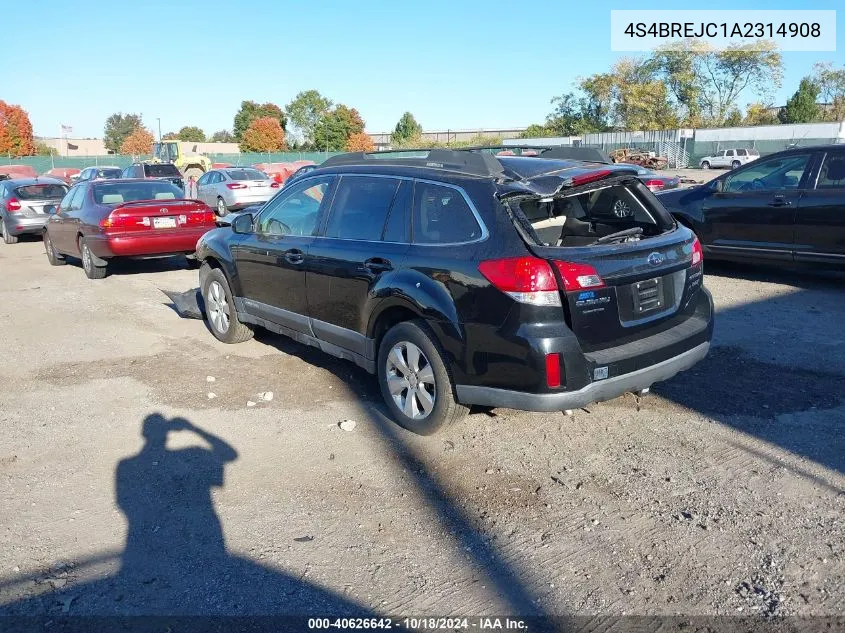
(159, 129)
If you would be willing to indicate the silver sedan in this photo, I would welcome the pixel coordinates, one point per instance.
(234, 188)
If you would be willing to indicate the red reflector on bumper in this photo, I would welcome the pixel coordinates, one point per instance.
(553, 370)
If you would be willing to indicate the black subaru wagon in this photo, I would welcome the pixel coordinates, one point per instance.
(460, 278)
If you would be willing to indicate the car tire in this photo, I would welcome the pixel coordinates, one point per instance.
(736, 164)
(705, 164)
(92, 271)
(221, 210)
(8, 238)
(410, 363)
(220, 308)
(53, 255)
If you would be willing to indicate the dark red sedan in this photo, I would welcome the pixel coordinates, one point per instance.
(99, 220)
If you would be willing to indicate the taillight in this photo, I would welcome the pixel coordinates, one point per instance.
(697, 253)
(13, 205)
(525, 279)
(275, 185)
(205, 216)
(117, 221)
(235, 185)
(583, 179)
(654, 185)
(579, 276)
(553, 370)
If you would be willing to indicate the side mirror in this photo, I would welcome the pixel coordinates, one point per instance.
(242, 224)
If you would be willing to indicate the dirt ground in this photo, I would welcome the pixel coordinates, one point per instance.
(142, 471)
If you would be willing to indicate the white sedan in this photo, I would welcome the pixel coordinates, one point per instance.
(233, 188)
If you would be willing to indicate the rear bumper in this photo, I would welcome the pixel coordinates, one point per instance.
(591, 376)
(20, 224)
(239, 201)
(594, 392)
(148, 245)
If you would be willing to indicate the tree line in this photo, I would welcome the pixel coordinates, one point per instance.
(689, 84)
(685, 84)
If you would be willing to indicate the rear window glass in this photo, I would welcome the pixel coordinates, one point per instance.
(108, 173)
(118, 192)
(442, 216)
(580, 220)
(161, 171)
(246, 174)
(41, 192)
(753, 152)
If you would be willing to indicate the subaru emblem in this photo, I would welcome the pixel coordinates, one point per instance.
(655, 259)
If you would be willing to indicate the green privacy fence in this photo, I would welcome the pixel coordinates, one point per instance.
(45, 163)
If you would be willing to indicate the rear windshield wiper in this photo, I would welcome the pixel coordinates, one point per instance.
(620, 235)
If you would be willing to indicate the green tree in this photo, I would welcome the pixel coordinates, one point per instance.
(734, 118)
(191, 133)
(406, 129)
(334, 128)
(537, 131)
(170, 136)
(802, 107)
(42, 149)
(118, 127)
(760, 114)
(705, 83)
(223, 136)
(305, 110)
(831, 83)
(250, 111)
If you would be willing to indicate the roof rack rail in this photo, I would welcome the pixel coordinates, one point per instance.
(457, 160)
(567, 152)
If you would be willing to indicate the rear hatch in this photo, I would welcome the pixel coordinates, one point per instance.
(38, 199)
(164, 171)
(252, 182)
(624, 269)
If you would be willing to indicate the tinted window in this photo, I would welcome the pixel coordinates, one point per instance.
(161, 171)
(76, 200)
(730, 152)
(832, 174)
(740, 152)
(108, 173)
(771, 173)
(360, 207)
(41, 192)
(116, 192)
(442, 216)
(294, 211)
(398, 227)
(246, 174)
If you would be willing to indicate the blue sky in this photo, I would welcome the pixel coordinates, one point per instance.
(453, 63)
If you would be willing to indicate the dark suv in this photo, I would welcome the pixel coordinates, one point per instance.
(160, 171)
(462, 278)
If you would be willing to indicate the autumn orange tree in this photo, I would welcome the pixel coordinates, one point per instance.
(360, 142)
(264, 134)
(15, 131)
(137, 143)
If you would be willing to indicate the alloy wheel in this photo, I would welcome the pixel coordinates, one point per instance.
(218, 307)
(87, 264)
(410, 380)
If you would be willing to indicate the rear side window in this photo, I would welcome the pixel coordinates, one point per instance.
(740, 152)
(832, 174)
(161, 171)
(41, 192)
(442, 216)
(360, 207)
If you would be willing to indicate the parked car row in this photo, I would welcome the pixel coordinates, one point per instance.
(461, 278)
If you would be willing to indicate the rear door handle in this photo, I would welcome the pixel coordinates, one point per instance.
(780, 201)
(295, 256)
(378, 265)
